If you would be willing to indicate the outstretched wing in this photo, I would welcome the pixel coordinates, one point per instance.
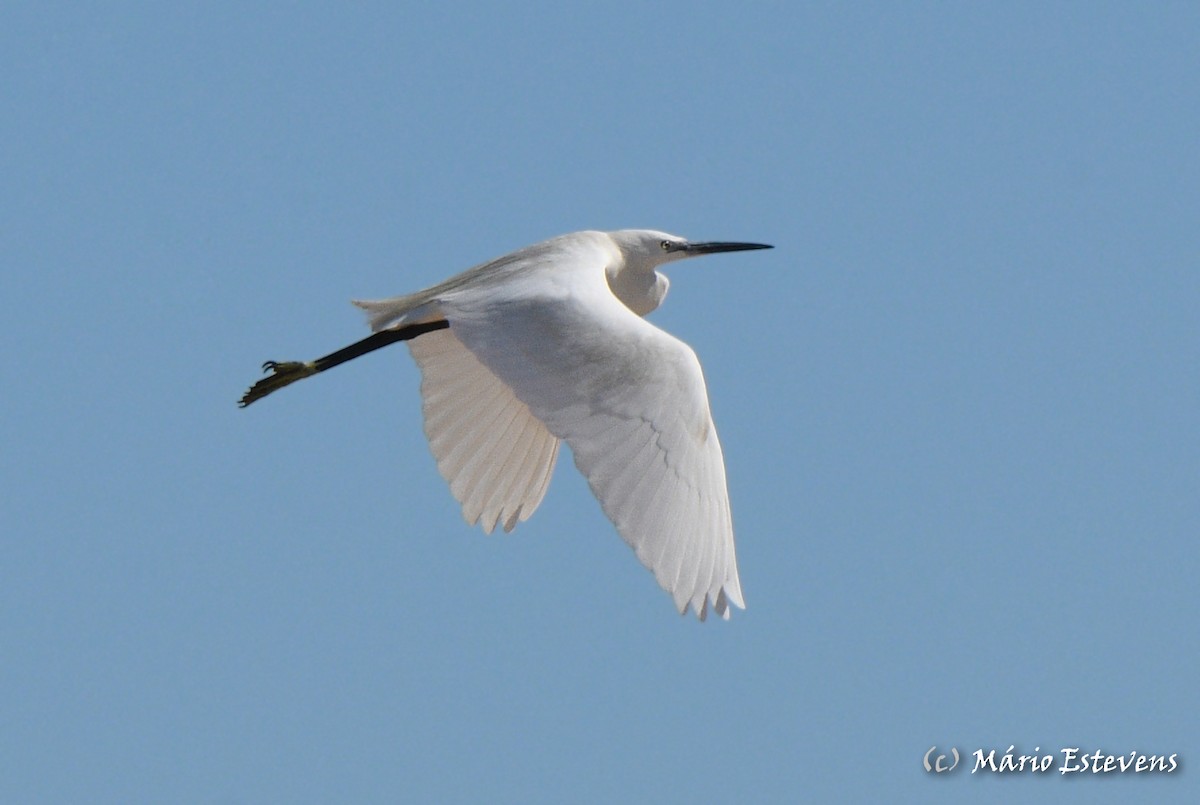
(631, 402)
(496, 456)
(652, 458)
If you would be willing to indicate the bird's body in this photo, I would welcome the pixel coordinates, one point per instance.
(547, 344)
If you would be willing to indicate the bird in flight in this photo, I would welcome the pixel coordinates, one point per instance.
(548, 344)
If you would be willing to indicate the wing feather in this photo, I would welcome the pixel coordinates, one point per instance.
(489, 456)
(519, 471)
(479, 431)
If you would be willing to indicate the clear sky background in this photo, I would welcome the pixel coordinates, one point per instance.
(958, 400)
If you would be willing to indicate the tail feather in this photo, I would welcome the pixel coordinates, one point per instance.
(384, 313)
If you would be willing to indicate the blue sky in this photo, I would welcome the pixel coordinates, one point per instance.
(958, 400)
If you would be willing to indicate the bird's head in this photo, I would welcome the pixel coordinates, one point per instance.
(634, 279)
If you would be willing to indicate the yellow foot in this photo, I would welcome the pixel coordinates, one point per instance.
(283, 373)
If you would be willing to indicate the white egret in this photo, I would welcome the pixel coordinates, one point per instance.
(546, 344)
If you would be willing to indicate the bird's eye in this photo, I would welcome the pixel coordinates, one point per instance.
(666, 245)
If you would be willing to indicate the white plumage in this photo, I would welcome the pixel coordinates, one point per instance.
(496, 455)
(548, 343)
